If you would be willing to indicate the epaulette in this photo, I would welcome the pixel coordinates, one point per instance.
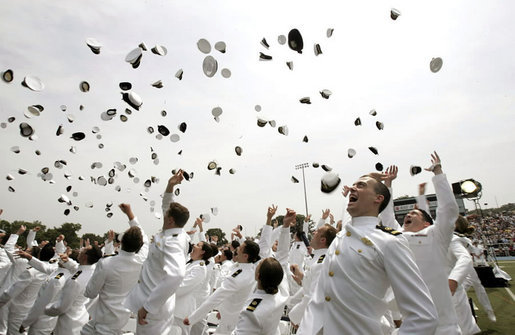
(175, 235)
(236, 273)
(52, 261)
(388, 230)
(111, 255)
(321, 259)
(76, 274)
(253, 304)
(59, 275)
(298, 246)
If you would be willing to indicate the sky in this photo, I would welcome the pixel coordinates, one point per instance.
(464, 111)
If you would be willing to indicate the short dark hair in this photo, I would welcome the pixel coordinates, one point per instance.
(381, 189)
(240, 226)
(426, 216)
(93, 254)
(214, 248)
(271, 274)
(329, 234)
(235, 244)
(132, 239)
(179, 213)
(47, 252)
(208, 251)
(252, 250)
(227, 253)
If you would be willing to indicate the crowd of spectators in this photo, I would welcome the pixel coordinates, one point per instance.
(497, 231)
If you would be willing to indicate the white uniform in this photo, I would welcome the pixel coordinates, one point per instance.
(230, 298)
(430, 246)
(161, 275)
(263, 310)
(460, 261)
(309, 283)
(190, 294)
(60, 248)
(7, 276)
(38, 322)
(360, 265)
(70, 306)
(22, 295)
(112, 280)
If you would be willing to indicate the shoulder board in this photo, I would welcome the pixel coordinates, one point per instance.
(76, 274)
(298, 246)
(321, 259)
(111, 255)
(52, 261)
(388, 230)
(253, 304)
(29, 267)
(59, 275)
(175, 235)
(237, 273)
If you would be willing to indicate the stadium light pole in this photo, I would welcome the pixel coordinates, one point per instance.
(302, 167)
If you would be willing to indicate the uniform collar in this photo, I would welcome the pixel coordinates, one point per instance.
(365, 222)
(172, 231)
(245, 265)
(125, 253)
(317, 253)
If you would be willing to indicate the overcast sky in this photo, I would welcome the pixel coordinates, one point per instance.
(464, 111)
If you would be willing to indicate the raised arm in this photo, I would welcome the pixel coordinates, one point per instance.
(387, 216)
(265, 242)
(421, 198)
(32, 236)
(462, 266)
(283, 248)
(142, 254)
(447, 210)
(174, 180)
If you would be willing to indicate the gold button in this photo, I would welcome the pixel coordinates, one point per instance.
(327, 298)
(359, 250)
(348, 233)
(337, 252)
(331, 273)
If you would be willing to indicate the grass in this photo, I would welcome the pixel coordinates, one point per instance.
(502, 303)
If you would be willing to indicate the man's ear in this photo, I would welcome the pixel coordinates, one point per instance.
(379, 198)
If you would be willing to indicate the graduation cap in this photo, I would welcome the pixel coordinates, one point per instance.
(134, 57)
(329, 182)
(263, 56)
(26, 130)
(283, 130)
(413, 170)
(329, 32)
(182, 127)
(374, 150)
(379, 167)
(351, 153)
(33, 83)
(204, 46)
(290, 65)
(294, 180)
(220, 46)
(326, 168)
(179, 74)
(84, 86)
(163, 130)
(143, 46)
(238, 151)
(281, 39)
(372, 112)
(212, 165)
(317, 49)
(261, 122)
(265, 43)
(94, 45)
(394, 13)
(315, 165)
(159, 50)
(257, 108)
(8, 75)
(295, 41)
(436, 64)
(325, 94)
(232, 171)
(175, 138)
(133, 99)
(357, 122)
(209, 66)
(79, 136)
(226, 73)
(305, 139)
(158, 84)
(125, 86)
(305, 100)
(379, 125)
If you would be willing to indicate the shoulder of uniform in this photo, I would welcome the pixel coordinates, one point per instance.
(202, 263)
(77, 274)
(236, 273)
(321, 259)
(59, 275)
(252, 306)
(388, 230)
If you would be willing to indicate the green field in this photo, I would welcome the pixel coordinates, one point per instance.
(503, 304)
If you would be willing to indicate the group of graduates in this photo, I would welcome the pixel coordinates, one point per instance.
(363, 275)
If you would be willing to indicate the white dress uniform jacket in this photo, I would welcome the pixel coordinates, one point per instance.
(70, 306)
(460, 262)
(263, 312)
(309, 283)
(111, 282)
(161, 275)
(430, 246)
(8, 275)
(21, 296)
(360, 265)
(230, 298)
(37, 320)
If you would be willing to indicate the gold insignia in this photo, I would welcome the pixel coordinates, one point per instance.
(327, 298)
(388, 230)
(52, 261)
(76, 274)
(59, 275)
(337, 252)
(234, 275)
(253, 304)
(201, 263)
(360, 251)
(321, 259)
(331, 273)
(367, 241)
